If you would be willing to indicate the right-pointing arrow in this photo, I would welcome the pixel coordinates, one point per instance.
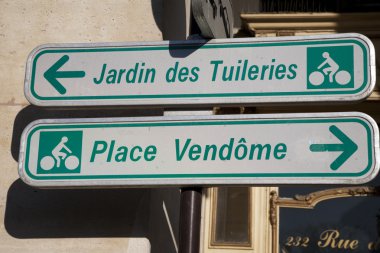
(347, 146)
(52, 74)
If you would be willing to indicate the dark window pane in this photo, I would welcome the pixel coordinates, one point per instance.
(232, 216)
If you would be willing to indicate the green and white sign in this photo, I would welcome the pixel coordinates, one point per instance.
(328, 68)
(339, 148)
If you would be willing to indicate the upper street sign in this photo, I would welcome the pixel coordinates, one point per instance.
(336, 148)
(328, 68)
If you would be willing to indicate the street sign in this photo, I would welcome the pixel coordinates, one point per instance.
(336, 148)
(317, 69)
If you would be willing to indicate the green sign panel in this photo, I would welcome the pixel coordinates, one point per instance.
(317, 69)
(59, 152)
(338, 148)
(330, 67)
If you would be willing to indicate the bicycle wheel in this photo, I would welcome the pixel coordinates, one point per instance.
(316, 78)
(47, 163)
(71, 162)
(343, 77)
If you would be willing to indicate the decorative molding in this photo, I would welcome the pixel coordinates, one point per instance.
(273, 219)
(311, 200)
(264, 24)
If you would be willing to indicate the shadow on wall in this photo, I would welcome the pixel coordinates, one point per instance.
(63, 213)
(93, 213)
(157, 11)
(90, 213)
(170, 18)
(42, 213)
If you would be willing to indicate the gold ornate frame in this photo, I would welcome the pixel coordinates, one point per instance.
(310, 201)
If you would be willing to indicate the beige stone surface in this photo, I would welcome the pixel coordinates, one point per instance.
(88, 245)
(23, 26)
(27, 24)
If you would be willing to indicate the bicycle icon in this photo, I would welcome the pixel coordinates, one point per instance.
(342, 77)
(71, 162)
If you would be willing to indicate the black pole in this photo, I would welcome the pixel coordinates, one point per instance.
(191, 198)
(190, 220)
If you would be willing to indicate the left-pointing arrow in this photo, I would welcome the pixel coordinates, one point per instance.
(52, 74)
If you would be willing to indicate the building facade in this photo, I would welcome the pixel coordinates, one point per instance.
(238, 219)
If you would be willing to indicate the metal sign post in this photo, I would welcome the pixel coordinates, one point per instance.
(328, 148)
(190, 220)
(317, 69)
(213, 19)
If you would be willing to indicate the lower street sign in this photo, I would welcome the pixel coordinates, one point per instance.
(336, 148)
